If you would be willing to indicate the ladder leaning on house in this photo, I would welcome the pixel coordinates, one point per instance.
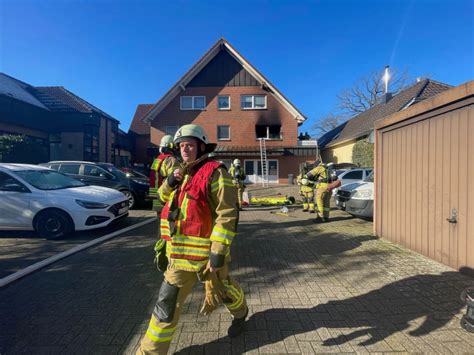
(264, 162)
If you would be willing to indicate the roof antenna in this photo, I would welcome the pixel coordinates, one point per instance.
(386, 78)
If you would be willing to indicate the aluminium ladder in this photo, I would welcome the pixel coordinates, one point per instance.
(264, 162)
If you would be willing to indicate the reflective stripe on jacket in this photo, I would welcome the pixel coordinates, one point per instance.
(156, 178)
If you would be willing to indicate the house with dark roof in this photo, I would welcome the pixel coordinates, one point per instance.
(62, 124)
(337, 145)
(240, 110)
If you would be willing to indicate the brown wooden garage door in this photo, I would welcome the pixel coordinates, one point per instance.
(426, 172)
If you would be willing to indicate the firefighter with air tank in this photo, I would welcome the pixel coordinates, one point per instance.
(238, 178)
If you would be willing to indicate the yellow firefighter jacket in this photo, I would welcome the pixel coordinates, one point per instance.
(160, 170)
(222, 200)
(320, 175)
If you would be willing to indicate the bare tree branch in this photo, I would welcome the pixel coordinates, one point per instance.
(363, 95)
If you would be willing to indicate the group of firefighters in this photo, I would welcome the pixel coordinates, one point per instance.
(197, 201)
(316, 185)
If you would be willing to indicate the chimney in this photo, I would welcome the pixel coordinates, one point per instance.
(386, 97)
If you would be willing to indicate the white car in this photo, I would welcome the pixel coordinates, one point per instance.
(357, 198)
(53, 204)
(352, 175)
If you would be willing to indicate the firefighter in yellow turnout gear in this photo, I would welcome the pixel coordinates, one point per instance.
(238, 178)
(199, 222)
(163, 165)
(307, 192)
(323, 195)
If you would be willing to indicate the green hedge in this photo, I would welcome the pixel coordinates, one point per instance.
(21, 149)
(363, 153)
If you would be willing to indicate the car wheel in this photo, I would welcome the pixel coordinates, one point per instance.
(131, 198)
(53, 224)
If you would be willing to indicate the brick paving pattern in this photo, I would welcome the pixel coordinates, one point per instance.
(311, 288)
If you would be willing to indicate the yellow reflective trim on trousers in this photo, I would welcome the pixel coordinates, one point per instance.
(150, 335)
(238, 295)
(158, 334)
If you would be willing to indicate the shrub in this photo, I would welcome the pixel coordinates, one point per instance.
(363, 153)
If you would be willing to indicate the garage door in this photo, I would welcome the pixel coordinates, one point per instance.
(427, 187)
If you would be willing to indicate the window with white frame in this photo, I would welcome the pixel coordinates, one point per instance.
(253, 102)
(223, 133)
(223, 102)
(171, 130)
(193, 102)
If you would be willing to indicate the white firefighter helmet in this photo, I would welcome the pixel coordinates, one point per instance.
(194, 131)
(236, 162)
(166, 141)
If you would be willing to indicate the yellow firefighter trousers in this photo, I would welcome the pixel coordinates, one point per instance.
(159, 334)
(323, 201)
(240, 191)
(308, 200)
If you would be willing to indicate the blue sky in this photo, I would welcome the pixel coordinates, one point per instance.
(118, 54)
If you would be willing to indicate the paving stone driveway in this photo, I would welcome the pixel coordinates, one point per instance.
(311, 289)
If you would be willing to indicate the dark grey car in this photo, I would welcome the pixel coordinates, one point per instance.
(104, 174)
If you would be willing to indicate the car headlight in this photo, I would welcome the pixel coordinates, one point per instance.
(363, 194)
(141, 182)
(91, 204)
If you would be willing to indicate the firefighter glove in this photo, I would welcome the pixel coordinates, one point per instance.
(215, 292)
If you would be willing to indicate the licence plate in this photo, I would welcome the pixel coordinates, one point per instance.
(122, 210)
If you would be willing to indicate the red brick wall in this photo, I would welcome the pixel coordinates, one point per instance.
(142, 142)
(242, 122)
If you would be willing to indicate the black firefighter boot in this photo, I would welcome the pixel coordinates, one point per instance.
(237, 326)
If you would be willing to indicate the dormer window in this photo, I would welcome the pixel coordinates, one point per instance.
(253, 102)
(193, 103)
(268, 132)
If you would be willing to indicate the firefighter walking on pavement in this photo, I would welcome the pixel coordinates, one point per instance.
(198, 223)
(323, 194)
(238, 178)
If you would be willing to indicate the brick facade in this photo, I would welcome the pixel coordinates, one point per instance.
(241, 122)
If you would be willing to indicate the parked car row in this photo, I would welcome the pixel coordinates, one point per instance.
(53, 204)
(106, 175)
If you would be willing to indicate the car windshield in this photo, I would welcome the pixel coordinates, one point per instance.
(112, 169)
(370, 178)
(48, 179)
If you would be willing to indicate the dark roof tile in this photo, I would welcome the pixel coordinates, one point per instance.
(59, 99)
(364, 122)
